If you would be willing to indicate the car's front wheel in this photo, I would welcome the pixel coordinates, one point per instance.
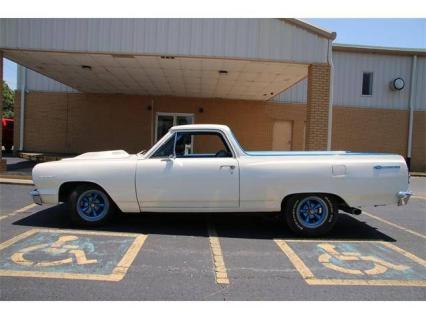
(310, 215)
(89, 205)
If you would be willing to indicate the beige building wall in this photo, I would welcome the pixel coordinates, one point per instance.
(3, 164)
(76, 123)
(379, 130)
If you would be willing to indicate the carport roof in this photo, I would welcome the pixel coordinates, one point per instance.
(252, 59)
(164, 75)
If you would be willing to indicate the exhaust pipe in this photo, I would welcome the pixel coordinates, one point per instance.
(351, 210)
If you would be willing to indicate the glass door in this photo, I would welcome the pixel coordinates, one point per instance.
(164, 121)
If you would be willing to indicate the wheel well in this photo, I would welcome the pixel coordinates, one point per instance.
(66, 188)
(337, 200)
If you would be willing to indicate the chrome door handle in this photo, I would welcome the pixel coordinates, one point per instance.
(230, 166)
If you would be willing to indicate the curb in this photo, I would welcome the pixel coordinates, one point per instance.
(11, 176)
(16, 181)
(418, 174)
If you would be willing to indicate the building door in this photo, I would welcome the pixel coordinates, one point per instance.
(164, 121)
(282, 135)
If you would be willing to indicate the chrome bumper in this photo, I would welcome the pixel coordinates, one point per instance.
(36, 197)
(403, 197)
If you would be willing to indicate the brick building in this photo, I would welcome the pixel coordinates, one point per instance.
(96, 84)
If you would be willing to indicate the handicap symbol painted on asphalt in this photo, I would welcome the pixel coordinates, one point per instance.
(379, 266)
(352, 262)
(70, 254)
(60, 246)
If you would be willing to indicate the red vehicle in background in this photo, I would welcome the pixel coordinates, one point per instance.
(7, 133)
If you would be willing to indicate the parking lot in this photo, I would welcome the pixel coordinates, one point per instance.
(379, 255)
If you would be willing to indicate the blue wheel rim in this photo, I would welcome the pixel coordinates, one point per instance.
(92, 205)
(312, 212)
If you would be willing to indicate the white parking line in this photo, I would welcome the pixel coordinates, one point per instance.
(21, 210)
(394, 225)
(418, 197)
(26, 208)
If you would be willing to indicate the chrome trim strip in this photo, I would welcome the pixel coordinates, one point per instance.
(389, 166)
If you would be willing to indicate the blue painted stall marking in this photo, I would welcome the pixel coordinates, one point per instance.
(69, 254)
(354, 263)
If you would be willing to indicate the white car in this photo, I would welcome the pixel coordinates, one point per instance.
(202, 168)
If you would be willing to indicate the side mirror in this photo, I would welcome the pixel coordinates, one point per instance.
(170, 158)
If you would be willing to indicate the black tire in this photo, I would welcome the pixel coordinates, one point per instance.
(81, 194)
(294, 215)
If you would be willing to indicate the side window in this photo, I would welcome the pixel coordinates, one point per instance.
(367, 83)
(201, 144)
(166, 149)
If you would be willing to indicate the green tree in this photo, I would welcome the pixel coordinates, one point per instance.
(8, 101)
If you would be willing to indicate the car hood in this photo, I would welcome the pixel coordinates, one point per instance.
(115, 154)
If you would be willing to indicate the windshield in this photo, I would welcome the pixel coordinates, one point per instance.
(160, 141)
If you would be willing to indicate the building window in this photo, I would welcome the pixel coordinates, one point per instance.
(367, 83)
(164, 121)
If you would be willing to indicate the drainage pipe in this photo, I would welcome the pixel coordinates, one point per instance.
(411, 110)
(23, 87)
(330, 98)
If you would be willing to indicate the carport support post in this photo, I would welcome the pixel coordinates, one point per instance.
(2, 161)
(319, 77)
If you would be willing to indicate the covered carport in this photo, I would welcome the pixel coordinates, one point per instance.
(222, 60)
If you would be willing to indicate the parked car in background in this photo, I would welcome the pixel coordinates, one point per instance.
(203, 168)
(7, 133)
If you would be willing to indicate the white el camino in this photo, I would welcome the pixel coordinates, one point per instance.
(203, 168)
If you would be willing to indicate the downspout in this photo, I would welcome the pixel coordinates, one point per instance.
(411, 110)
(152, 123)
(23, 80)
(330, 98)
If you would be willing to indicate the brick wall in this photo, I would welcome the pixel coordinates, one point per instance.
(3, 165)
(318, 104)
(379, 130)
(418, 159)
(76, 123)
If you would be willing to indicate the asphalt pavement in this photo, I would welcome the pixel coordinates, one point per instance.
(379, 255)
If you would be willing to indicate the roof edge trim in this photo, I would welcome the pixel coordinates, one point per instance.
(311, 28)
(378, 49)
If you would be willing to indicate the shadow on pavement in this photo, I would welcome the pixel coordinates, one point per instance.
(243, 225)
(17, 166)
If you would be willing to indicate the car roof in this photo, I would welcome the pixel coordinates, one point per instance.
(201, 127)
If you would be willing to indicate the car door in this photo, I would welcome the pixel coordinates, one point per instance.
(190, 170)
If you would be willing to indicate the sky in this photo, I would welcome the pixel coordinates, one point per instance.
(403, 33)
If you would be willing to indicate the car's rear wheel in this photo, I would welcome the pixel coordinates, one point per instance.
(89, 205)
(310, 215)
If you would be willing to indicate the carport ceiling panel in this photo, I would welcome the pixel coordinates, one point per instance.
(156, 75)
